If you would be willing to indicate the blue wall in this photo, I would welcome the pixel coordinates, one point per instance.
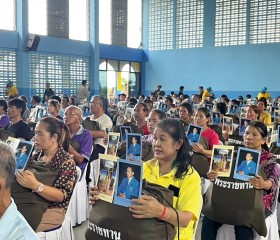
(233, 70)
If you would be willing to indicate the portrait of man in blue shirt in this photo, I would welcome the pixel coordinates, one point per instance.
(134, 148)
(129, 187)
(193, 136)
(248, 166)
(21, 158)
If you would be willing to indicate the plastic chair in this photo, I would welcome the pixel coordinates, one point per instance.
(79, 207)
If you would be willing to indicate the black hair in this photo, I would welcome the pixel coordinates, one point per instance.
(222, 107)
(205, 111)
(55, 97)
(161, 114)
(262, 129)
(145, 108)
(3, 104)
(84, 82)
(36, 98)
(169, 99)
(187, 106)
(54, 126)
(262, 99)
(18, 103)
(248, 96)
(176, 130)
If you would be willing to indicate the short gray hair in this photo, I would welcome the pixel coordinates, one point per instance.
(7, 164)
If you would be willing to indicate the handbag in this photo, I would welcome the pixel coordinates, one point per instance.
(31, 205)
(110, 221)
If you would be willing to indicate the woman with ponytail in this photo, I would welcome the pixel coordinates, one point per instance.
(52, 143)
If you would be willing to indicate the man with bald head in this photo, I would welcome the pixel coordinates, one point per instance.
(82, 151)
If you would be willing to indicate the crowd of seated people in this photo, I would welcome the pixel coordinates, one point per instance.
(65, 138)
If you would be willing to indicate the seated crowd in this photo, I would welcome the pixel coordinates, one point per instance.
(67, 136)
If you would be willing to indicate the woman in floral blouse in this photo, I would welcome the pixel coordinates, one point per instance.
(52, 142)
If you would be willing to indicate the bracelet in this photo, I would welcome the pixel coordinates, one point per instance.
(168, 215)
(163, 213)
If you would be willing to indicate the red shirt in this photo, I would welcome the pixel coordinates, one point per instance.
(145, 129)
(211, 136)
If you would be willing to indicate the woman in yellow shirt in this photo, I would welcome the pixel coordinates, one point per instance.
(172, 169)
(265, 117)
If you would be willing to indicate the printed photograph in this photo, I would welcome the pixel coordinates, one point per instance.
(133, 147)
(221, 160)
(243, 123)
(227, 125)
(113, 142)
(107, 177)
(216, 118)
(129, 182)
(124, 131)
(23, 153)
(193, 133)
(247, 163)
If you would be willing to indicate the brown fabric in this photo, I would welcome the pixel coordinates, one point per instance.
(30, 204)
(232, 201)
(52, 218)
(5, 134)
(199, 161)
(110, 221)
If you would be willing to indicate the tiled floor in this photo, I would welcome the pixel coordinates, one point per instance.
(79, 232)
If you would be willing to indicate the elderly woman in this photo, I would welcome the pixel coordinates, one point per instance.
(254, 138)
(52, 143)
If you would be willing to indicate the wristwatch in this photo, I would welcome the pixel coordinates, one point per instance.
(40, 188)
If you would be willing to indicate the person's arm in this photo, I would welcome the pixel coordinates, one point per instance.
(77, 156)
(198, 148)
(149, 207)
(28, 180)
(98, 133)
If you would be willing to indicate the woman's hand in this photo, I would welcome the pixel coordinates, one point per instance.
(27, 179)
(93, 195)
(257, 182)
(197, 147)
(148, 207)
(212, 175)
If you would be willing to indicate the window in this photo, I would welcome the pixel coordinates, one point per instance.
(64, 73)
(264, 21)
(119, 77)
(7, 15)
(69, 21)
(189, 23)
(160, 25)
(230, 22)
(8, 69)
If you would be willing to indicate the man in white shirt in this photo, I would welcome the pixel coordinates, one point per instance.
(82, 92)
(12, 224)
(97, 108)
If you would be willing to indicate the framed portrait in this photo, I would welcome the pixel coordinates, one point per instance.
(278, 137)
(86, 111)
(227, 125)
(232, 109)
(276, 115)
(124, 130)
(243, 111)
(113, 142)
(128, 114)
(221, 160)
(269, 109)
(196, 106)
(269, 135)
(216, 118)
(208, 107)
(243, 123)
(173, 112)
(193, 133)
(107, 177)
(23, 152)
(13, 143)
(134, 147)
(128, 182)
(247, 163)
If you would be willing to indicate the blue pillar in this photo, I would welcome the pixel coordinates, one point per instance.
(94, 43)
(22, 29)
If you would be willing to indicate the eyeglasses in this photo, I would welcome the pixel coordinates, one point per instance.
(70, 114)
